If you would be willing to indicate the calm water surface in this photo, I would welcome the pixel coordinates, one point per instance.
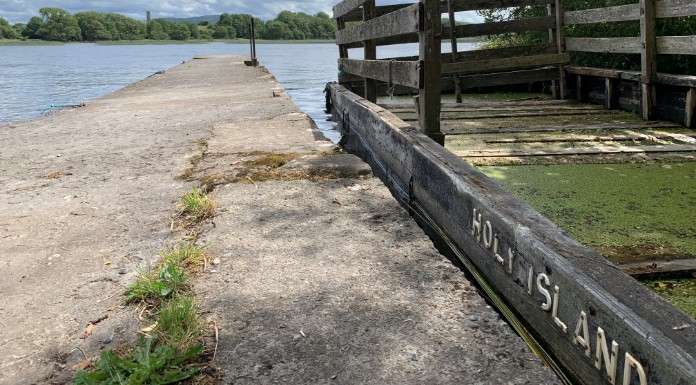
(32, 78)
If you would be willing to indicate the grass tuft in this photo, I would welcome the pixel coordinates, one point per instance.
(198, 206)
(185, 255)
(151, 287)
(178, 323)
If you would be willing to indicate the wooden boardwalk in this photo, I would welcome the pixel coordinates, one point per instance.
(519, 132)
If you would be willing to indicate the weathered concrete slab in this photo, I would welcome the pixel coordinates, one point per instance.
(87, 196)
(599, 323)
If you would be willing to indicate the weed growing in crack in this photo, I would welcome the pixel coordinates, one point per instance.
(178, 323)
(185, 255)
(154, 287)
(149, 363)
(197, 205)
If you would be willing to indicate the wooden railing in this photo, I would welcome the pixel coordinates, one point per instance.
(394, 25)
(648, 44)
(420, 22)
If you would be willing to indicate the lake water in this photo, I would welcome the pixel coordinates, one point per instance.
(32, 78)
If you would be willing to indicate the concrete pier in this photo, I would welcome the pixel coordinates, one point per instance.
(323, 277)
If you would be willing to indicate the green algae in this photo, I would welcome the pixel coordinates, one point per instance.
(627, 212)
(681, 292)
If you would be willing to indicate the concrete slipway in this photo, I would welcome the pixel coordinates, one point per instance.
(323, 278)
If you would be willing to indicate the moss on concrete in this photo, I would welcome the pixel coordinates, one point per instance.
(628, 212)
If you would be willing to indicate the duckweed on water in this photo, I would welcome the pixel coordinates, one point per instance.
(681, 292)
(627, 212)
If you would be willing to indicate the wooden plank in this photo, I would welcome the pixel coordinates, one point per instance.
(516, 252)
(560, 43)
(476, 5)
(430, 66)
(575, 139)
(676, 8)
(499, 107)
(499, 53)
(648, 57)
(676, 45)
(589, 71)
(346, 6)
(598, 150)
(602, 15)
(503, 78)
(677, 80)
(356, 15)
(506, 64)
(390, 40)
(500, 27)
(508, 115)
(603, 44)
(451, 128)
(402, 73)
(401, 22)
(659, 267)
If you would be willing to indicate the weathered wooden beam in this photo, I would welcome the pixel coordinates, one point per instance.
(579, 306)
(390, 40)
(346, 6)
(603, 44)
(403, 73)
(506, 64)
(499, 53)
(452, 128)
(356, 15)
(676, 45)
(590, 71)
(602, 15)
(690, 109)
(515, 77)
(578, 87)
(677, 80)
(648, 57)
(476, 5)
(676, 8)
(500, 27)
(594, 150)
(401, 22)
(652, 268)
(429, 86)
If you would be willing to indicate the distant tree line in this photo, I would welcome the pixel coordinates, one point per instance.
(675, 64)
(56, 24)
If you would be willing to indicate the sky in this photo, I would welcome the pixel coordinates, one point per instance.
(20, 11)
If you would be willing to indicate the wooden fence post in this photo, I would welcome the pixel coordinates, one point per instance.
(690, 109)
(648, 57)
(342, 49)
(556, 36)
(455, 53)
(610, 94)
(429, 37)
(370, 49)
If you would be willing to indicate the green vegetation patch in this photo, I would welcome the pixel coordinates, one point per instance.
(197, 206)
(627, 212)
(148, 364)
(681, 292)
